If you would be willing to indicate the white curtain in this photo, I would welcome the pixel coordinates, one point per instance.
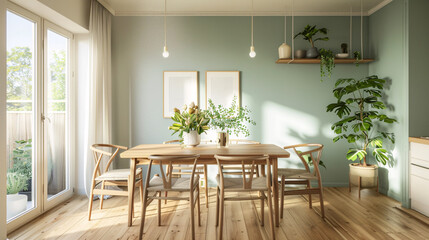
(99, 109)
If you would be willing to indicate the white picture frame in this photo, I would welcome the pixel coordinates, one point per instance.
(179, 88)
(222, 86)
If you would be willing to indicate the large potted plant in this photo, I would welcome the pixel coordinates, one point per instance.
(308, 34)
(359, 106)
(190, 124)
(228, 120)
(16, 203)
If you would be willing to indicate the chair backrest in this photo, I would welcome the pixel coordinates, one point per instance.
(309, 152)
(168, 162)
(242, 141)
(246, 162)
(101, 152)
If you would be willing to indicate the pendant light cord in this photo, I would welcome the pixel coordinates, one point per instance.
(293, 31)
(285, 21)
(165, 23)
(351, 29)
(252, 26)
(361, 29)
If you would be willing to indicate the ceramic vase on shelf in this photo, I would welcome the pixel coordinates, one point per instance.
(191, 139)
(312, 53)
(300, 53)
(285, 51)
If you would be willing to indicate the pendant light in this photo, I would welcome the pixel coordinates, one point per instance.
(252, 53)
(285, 50)
(165, 53)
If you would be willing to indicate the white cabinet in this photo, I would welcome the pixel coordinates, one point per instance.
(419, 177)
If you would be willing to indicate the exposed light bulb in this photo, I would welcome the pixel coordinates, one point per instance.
(165, 53)
(252, 53)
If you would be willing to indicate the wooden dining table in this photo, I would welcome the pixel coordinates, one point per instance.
(139, 155)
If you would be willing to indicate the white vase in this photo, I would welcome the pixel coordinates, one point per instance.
(192, 138)
(15, 204)
(285, 51)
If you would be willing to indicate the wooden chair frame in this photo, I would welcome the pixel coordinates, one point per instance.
(167, 177)
(98, 157)
(246, 161)
(237, 169)
(315, 153)
(200, 170)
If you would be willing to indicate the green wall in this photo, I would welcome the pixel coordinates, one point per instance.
(288, 101)
(388, 43)
(418, 52)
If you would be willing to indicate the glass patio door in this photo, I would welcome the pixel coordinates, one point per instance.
(23, 109)
(38, 127)
(56, 115)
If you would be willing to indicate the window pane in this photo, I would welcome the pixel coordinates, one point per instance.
(57, 54)
(20, 114)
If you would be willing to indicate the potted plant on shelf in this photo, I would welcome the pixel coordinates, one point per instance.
(229, 120)
(16, 203)
(190, 124)
(358, 106)
(308, 34)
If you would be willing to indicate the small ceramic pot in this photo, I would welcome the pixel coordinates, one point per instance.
(300, 53)
(312, 53)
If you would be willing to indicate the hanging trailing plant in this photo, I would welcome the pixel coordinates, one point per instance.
(326, 63)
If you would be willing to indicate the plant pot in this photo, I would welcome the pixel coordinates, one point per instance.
(300, 53)
(285, 51)
(223, 139)
(191, 139)
(28, 193)
(312, 53)
(368, 174)
(15, 204)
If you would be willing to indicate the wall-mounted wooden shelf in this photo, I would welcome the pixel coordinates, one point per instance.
(317, 61)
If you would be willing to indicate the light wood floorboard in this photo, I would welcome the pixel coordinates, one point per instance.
(374, 216)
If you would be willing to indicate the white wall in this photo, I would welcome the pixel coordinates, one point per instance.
(72, 15)
(82, 80)
(75, 10)
(2, 119)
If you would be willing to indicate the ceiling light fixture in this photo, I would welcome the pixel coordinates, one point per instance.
(252, 53)
(165, 53)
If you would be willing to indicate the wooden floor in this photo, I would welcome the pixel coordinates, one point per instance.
(373, 217)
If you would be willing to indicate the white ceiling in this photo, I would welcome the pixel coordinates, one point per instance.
(242, 7)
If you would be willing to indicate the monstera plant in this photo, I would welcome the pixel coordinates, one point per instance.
(360, 107)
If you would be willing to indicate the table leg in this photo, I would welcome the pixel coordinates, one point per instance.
(206, 185)
(131, 188)
(275, 191)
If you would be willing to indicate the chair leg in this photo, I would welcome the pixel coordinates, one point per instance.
(198, 207)
(270, 206)
(102, 196)
(350, 184)
(310, 201)
(262, 208)
(91, 199)
(206, 185)
(159, 209)
(217, 206)
(322, 206)
(143, 214)
(282, 197)
(221, 211)
(191, 202)
(359, 184)
(141, 191)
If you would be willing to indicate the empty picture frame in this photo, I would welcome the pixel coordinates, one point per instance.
(222, 86)
(180, 88)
